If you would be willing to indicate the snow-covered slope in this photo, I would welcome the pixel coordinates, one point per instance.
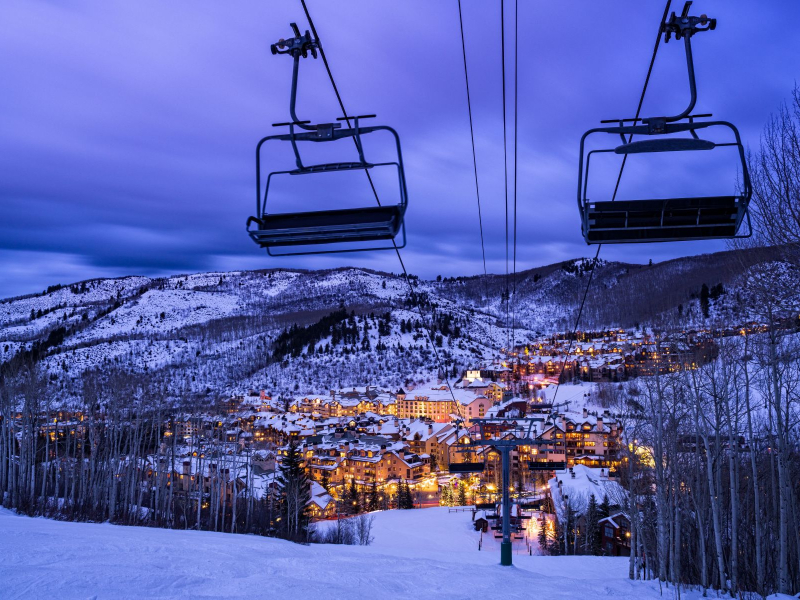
(426, 553)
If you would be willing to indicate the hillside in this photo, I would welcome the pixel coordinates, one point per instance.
(209, 334)
(417, 553)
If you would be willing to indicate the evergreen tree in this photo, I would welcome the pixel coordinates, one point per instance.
(446, 497)
(295, 495)
(405, 499)
(544, 542)
(555, 545)
(352, 498)
(704, 304)
(592, 539)
(372, 499)
(462, 493)
(605, 508)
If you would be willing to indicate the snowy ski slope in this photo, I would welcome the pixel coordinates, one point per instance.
(426, 553)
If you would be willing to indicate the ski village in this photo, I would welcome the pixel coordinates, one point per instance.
(179, 442)
(411, 368)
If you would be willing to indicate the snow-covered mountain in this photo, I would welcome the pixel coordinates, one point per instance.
(309, 331)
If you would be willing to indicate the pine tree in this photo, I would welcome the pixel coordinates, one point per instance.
(605, 508)
(372, 499)
(405, 499)
(295, 495)
(592, 540)
(446, 497)
(555, 545)
(704, 305)
(544, 542)
(353, 500)
(462, 493)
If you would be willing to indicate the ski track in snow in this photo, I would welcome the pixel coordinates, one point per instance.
(419, 553)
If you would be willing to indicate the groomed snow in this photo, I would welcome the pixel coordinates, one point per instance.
(427, 553)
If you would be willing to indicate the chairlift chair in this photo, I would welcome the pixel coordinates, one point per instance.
(671, 219)
(348, 226)
(469, 466)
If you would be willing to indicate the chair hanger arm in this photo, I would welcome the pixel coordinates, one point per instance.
(293, 97)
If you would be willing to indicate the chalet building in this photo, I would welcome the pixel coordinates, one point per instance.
(569, 491)
(435, 404)
(426, 438)
(583, 436)
(226, 473)
(348, 403)
(494, 391)
(276, 429)
(231, 405)
(615, 531)
(321, 505)
(476, 409)
(366, 460)
(612, 355)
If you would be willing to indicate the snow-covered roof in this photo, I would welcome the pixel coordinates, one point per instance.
(578, 483)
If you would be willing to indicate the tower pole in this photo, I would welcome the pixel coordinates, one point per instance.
(505, 546)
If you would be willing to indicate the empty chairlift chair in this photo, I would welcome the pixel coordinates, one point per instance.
(671, 219)
(347, 227)
(471, 465)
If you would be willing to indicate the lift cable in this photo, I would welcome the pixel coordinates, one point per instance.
(377, 199)
(616, 189)
(505, 152)
(514, 268)
(472, 138)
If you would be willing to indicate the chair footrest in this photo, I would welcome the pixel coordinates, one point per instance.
(664, 145)
(466, 467)
(332, 167)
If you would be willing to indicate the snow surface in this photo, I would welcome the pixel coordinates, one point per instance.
(427, 553)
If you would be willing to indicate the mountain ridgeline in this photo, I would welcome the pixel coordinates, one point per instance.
(296, 331)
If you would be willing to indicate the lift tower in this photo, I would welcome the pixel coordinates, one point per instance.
(503, 434)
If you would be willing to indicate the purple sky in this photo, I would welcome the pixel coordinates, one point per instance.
(127, 129)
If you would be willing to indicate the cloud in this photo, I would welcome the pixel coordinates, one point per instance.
(128, 129)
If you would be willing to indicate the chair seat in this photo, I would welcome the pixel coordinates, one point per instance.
(328, 226)
(466, 467)
(664, 145)
(663, 220)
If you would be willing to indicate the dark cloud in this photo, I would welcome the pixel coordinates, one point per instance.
(127, 130)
